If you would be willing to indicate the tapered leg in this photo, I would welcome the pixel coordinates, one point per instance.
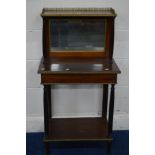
(111, 112)
(47, 113)
(105, 100)
(47, 107)
(49, 102)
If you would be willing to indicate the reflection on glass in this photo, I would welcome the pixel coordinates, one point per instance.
(77, 34)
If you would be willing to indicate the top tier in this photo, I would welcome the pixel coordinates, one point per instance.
(78, 32)
(86, 12)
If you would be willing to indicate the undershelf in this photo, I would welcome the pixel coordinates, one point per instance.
(77, 129)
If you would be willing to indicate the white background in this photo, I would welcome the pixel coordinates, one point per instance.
(13, 77)
(75, 100)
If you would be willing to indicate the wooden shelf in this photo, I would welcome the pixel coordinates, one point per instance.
(77, 129)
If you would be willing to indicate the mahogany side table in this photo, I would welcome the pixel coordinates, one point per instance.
(78, 49)
(69, 71)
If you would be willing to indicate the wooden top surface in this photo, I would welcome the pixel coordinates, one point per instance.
(88, 12)
(78, 66)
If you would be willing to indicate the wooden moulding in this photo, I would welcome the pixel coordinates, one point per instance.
(78, 78)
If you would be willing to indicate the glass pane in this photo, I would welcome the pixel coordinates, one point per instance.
(77, 35)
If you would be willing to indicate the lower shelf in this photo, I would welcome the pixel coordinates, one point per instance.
(77, 129)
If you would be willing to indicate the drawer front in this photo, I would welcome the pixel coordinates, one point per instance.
(81, 78)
